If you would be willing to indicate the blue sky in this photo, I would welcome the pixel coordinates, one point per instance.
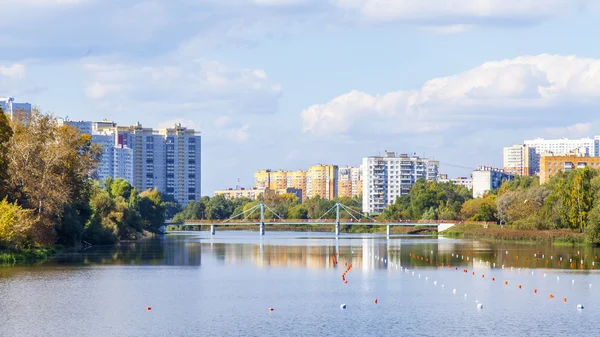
(284, 84)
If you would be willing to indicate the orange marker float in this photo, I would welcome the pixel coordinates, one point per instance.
(271, 309)
(506, 282)
(148, 308)
(565, 300)
(535, 291)
(482, 276)
(519, 286)
(376, 301)
(346, 282)
(551, 296)
(493, 279)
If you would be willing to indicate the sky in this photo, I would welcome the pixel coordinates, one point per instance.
(284, 84)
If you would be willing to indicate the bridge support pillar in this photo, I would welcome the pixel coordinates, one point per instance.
(388, 230)
(337, 229)
(212, 229)
(262, 228)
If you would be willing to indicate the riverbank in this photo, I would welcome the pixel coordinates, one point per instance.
(358, 229)
(28, 256)
(496, 233)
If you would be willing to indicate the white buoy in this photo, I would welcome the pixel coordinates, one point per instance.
(426, 278)
(454, 291)
(580, 306)
(494, 265)
(465, 295)
(572, 281)
(534, 255)
(419, 275)
(557, 278)
(476, 301)
(443, 286)
(544, 274)
(570, 260)
(343, 306)
(385, 260)
(590, 285)
(479, 306)
(413, 273)
(502, 266)
(532, 273)
(434, 283)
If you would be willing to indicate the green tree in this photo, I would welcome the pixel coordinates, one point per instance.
(5, 136)
(152, 210)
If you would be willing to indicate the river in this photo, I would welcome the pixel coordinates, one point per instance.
(192, 284)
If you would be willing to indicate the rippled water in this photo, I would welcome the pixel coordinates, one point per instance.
(224, 285)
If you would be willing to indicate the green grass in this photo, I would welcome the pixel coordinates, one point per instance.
(27, 256)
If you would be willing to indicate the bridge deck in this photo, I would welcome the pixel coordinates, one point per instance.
(305, 223)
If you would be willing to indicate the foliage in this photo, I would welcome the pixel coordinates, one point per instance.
(429, 200)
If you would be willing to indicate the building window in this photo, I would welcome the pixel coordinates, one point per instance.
(170, 175)
(192, 140)
(149, 139)
(192, 176)
(170, 140)
(149, 146)
(191, 190)
(149, 160)
(192, 162)
(170, 190)
(191, 197)
(170, 161)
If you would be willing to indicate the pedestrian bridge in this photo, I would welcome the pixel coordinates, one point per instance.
(357, 219)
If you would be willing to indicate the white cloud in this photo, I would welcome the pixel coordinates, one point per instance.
(236, 134)
(459, 11)
(543, 89)
(575, 130)
(179, 84)
(15, 70)
(450, 29)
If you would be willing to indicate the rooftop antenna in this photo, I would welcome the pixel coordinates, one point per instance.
(237, 187)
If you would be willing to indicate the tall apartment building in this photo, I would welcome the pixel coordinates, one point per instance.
(237, 193)
(551, 164)
(349, 181)
(297, 180)
(262, 179)
(588, 146)
(166, 159)
(387, 177)
(322, 180)
(520, 160)
(486, 179)
(13, 109)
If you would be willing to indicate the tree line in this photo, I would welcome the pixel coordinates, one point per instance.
(49, 195)
(286, 206)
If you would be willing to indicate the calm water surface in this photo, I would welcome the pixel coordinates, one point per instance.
(199, 285)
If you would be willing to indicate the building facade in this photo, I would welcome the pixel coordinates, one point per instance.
(232, 193)
(349, 181)
(588, 146)
(322, 180)
(486, 179)
(520, 160)
(166, 159)
(387, 177)
(551, 164)
(13, 109)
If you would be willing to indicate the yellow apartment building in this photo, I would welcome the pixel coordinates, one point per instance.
(231, 193)
(322, 180)
(551, 164)
(262, 178)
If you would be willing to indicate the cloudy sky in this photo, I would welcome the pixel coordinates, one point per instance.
(284, 84)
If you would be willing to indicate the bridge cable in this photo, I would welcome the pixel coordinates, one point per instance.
(277, 215)
(334, 206)
(244, 212)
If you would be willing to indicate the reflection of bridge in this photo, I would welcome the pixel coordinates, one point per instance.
(356, 220)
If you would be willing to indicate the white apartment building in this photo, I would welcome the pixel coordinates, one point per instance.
(11, 108)
(588, 146)
(520, 160)
(166, 159)
(486, 179)
(387, 177)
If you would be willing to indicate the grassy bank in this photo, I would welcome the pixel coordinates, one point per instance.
(27, 256)
(422, 230)
(494, 232)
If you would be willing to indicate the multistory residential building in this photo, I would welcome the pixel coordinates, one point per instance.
(463, 181)
(389, 176)
(551, 164)
(349, 181)
(278, 180)
(13, 109)
(166, 159)
(262, 179)
(322, 180)
(236, 193)
(520, 160)
(589, 146)
(486, 179)
(297, 180)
